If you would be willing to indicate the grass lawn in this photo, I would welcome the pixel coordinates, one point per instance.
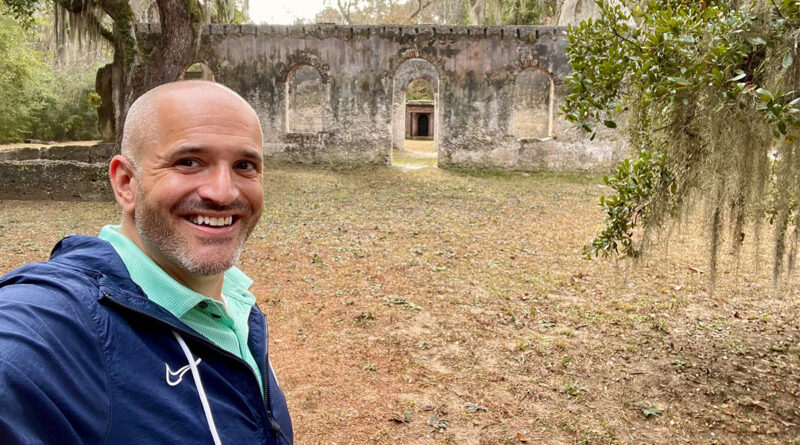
(420, 305)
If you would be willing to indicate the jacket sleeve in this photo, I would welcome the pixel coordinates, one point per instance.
(53, 381)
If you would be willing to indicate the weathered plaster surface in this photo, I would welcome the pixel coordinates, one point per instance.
(483, 77)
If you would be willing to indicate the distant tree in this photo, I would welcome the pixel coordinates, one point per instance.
(452, 12)
(23, 76)
(39, 98)
(706, 94)
(329, 14)
(114, 21)
(497, 12)
(419, 89)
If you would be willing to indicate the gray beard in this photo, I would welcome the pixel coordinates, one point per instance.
(155, 231)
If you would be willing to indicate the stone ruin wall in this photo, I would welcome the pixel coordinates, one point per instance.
(334, 94)
(61, 172)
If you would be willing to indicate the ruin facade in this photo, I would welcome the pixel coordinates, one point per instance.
(336, 94)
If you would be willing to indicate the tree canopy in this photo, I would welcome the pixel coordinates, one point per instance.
(451, 12)
(41, 97)
(707, 96)
(114, 21)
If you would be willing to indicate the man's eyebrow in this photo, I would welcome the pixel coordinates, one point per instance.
(188, 150)
(250, 154)
(244, 153)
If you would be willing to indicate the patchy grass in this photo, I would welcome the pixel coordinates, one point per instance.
(419, 295)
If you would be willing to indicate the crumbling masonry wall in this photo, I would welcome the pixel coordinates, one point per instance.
(64, 172)
(484, 116)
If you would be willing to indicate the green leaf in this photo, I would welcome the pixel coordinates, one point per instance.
(787, 60)
(739, 75)
(766, 95)
(651, 411)
(610, 124)
(756, 41)
(679, 81)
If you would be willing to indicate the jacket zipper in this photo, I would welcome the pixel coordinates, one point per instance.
(265, 383)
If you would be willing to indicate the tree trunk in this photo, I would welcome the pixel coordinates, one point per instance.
(176, 49)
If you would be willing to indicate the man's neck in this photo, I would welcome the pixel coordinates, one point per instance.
(208, 285)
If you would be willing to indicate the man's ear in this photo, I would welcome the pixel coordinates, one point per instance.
(123, 180)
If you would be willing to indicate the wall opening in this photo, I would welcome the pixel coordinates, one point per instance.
(422, 125)
(197, 71)
(419, 111)
(415, 113)
(532, 116)
(305, 100)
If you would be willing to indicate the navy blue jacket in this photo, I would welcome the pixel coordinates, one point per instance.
(85, 357)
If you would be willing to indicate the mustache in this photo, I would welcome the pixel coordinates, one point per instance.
(199, 205)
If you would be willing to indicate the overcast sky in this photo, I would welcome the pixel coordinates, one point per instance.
(282, 12)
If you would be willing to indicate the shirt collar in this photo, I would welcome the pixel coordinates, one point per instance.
(161, 288)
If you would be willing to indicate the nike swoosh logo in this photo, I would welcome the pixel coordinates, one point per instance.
(179, 373)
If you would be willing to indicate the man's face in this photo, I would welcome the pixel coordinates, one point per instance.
(200, 188)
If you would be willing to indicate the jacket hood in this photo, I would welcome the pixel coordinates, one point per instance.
(96, 255)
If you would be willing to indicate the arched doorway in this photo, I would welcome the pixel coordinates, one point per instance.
(418, 118)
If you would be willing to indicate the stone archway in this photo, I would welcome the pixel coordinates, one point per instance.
(408, 71)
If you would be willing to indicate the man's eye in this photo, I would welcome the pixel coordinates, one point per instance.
(245, 165)
(189, 162)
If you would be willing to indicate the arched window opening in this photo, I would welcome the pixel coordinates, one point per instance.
(197, 71)
(533, 105)
(305, 100)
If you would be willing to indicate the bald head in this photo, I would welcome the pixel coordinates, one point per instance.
(168, 104)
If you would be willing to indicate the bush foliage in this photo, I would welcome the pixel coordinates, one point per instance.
(40, 99)
(707, 96)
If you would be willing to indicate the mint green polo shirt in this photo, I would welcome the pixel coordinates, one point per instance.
(224, 325)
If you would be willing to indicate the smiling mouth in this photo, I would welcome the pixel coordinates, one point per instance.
(210, 221)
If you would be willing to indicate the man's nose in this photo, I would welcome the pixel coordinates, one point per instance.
(219, 186)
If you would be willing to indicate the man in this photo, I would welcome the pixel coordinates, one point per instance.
(147, 333)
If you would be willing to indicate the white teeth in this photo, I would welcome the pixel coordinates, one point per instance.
(211, 221)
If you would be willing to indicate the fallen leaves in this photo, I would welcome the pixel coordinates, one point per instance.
(364, 327)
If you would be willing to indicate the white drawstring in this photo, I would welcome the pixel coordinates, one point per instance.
(200, 390)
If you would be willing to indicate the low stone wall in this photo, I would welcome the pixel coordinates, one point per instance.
(60, 173)
(81, 153)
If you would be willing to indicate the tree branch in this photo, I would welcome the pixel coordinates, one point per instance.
(777, 9)
(81, 7)
(421, 7)
(614, 30)
(345, 11)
